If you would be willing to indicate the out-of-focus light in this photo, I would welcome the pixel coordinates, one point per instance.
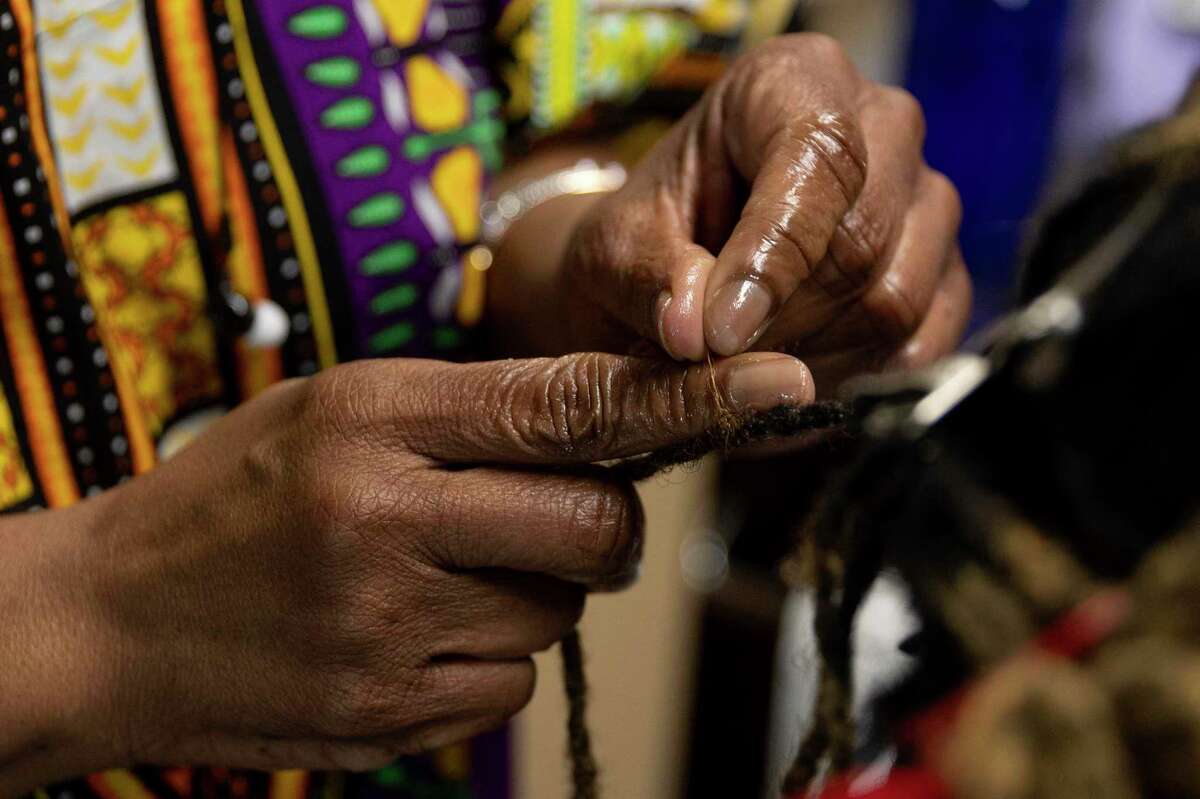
(704, 561)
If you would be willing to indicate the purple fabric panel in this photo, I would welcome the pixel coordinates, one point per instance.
(490, 769)
(327, 147)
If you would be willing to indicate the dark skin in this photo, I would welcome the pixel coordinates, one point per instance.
(790, 210)
(367, 577)
(359, 565)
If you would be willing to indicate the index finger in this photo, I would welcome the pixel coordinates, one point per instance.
(810, 178)
(584, 408)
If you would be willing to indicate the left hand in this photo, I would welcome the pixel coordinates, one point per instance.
(792, 210)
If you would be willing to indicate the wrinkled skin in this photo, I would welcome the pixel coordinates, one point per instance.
(347, 568)
(790, 210)
(358, 565)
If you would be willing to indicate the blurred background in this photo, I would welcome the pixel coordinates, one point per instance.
(693, 693)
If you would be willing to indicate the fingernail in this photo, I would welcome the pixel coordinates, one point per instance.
(768, 381)
(736, 313)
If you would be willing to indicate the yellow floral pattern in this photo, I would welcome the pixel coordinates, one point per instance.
(142, 270)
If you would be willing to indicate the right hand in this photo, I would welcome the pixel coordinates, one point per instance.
(358, 565)
(790, 210)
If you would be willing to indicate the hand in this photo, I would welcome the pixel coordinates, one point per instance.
(791, 210)
(350, 567)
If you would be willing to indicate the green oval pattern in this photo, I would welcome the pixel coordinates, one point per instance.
(392, 337)
(337, 72)
(319, 22)
(389, 259)
(352, 113)
(382, 209)
(365, 162)
(394, 299)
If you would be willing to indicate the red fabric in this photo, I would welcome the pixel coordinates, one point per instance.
(902, 783)
(1071, 636)
(1086, 626)
(1074, 634)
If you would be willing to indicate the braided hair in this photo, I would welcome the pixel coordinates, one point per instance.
(1059, 495)
(1056, 503)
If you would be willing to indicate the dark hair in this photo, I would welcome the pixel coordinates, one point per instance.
(1060, 487)
(1068, 472)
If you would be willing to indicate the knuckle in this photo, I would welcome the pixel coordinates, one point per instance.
(814, 46)
(347, 404)
(606, 526)
(946, 195)
(337, 407)
(826, 48)
(266, 461)
(338, 500)
(857, 249)
(910, 116)
(331, 399)
(892, 304)
(793, 252)
(573, 411)
(835, 141)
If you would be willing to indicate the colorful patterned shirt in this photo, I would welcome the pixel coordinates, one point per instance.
(164, 163)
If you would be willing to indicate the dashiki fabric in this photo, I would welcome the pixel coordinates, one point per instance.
(159, 158)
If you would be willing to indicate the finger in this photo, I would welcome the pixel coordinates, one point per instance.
(577, 409)
(942, 330)
(896, 300)
(451, 693)
(867, 236)
(271, 754)
(383, 707)
(334, 754)
(810, 177)
(585, 530)
(474, 688)
(431, 737)
(499, 615)
(634, 255)
(375, 753)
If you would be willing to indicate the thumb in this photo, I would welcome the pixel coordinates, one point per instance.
(584, 408)
(635, 259)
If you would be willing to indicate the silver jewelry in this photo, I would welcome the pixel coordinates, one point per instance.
(585, 177)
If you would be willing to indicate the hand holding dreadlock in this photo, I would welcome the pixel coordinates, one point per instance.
(330, 614)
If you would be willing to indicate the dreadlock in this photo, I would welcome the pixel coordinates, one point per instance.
(731, 432)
